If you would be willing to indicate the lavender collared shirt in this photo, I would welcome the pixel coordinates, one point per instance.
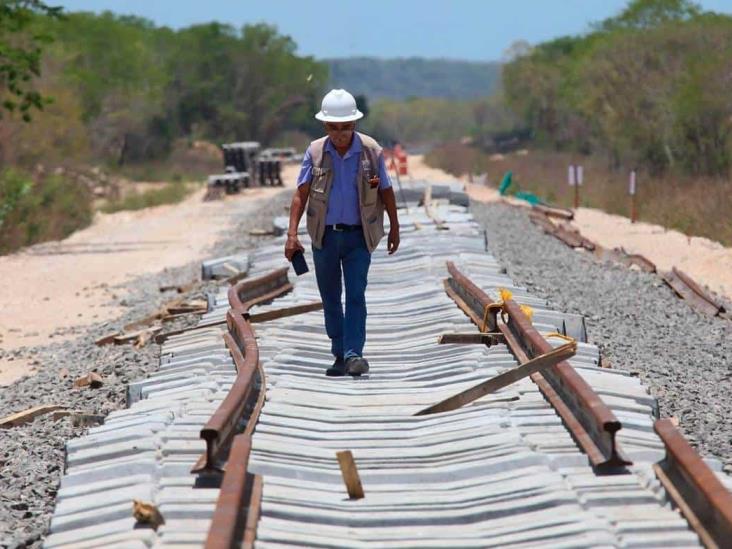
(343, 204)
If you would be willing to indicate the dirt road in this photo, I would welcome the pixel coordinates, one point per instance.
(80, 280)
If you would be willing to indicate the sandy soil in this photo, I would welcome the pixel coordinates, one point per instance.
(708, 262)
(704, 260)
(80, 280)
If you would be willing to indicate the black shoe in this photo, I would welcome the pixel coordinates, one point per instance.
(356, 365)
(338, 369)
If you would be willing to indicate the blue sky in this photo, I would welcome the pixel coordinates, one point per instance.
(458, 29)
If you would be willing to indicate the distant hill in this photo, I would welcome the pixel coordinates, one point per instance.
(414, 77)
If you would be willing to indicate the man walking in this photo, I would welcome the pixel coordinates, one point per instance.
(344, 183)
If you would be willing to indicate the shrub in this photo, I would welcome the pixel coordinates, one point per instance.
(32, 211)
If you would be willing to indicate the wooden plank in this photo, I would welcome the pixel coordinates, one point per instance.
(262, 232)
(231, 268)
(487, 338)
(160, 338)
(350, 474)
(132, 336)
(502, 380)
(237, 277)
(26, 416)
(106, 339)
(285, 312)
(193, 306)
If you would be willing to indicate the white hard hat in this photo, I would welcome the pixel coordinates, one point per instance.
(338, 106)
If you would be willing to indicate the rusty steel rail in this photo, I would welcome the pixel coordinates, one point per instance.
(690, 291)
(570, 236)
(574, 239)
(590, 421)
(244, 295)
(242, 345)
(234, 520)
(692, 485)
(620, 255)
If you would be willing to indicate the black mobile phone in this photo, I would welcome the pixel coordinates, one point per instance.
(299, 263)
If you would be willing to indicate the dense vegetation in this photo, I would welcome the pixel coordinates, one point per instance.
(648, 88)
(429, 121)
(20, 54)
(124, 90)
(44, 207)
(399, 79)
(117, 91)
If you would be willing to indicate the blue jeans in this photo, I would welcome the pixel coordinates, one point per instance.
(346, 252)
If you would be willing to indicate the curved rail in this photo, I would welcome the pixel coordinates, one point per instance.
(241, 342)
(698, 493)
(237, 509)
(590, 421)
(246, 294)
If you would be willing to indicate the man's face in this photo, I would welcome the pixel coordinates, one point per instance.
(340, 133)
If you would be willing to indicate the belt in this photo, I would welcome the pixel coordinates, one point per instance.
(340, 227)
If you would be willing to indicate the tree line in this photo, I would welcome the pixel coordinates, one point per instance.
(119, 89)
(649, 88)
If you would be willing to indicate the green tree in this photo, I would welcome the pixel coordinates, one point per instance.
(20, 54)
(647, 88)
(648, 14)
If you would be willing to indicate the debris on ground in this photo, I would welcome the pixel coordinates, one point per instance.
(92, 379)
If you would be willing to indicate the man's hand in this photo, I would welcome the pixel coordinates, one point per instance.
(374, 181)
(291, 246)
(393, 240)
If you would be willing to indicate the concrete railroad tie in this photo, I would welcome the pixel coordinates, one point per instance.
(501, 471)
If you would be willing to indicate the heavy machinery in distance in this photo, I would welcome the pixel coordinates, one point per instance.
(246, 165)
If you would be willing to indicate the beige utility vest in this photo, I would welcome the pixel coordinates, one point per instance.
(370, 203)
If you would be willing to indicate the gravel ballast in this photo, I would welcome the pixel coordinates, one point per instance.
(32, 455)
(683, 357)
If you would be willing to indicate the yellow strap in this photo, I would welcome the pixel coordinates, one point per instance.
(528, 311)
(560, 336)
(505, 294)
(488, 308)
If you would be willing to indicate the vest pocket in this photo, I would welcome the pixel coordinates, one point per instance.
(319, 184)
(369, 194)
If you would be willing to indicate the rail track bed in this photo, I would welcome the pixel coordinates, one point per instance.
(570, 457)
